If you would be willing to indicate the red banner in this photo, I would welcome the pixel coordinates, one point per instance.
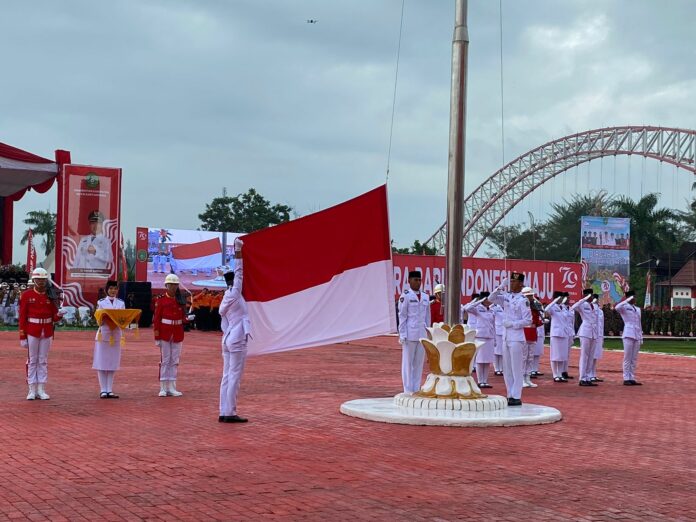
(31, 253)
(141, 253)
(480, 274)
(91, 231)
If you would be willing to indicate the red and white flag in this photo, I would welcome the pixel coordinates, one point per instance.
(321, 279)
(31, 253)
(198, 256)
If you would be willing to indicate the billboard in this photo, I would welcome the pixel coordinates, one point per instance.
(481, 274)
(605, 255)
(193, 255)
(91, 231)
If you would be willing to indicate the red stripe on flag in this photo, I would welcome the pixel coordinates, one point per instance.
(311, 250)
(205, 248)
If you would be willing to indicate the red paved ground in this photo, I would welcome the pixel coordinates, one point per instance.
(620, 453)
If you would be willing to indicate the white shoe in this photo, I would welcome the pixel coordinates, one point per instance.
(32, 392)
(173, 392)
(41, 393)
(532, 385)
(163, 389)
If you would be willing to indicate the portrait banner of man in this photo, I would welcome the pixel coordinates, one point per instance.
(90, 230)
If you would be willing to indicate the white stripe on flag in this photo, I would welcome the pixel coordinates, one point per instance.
(355, 304)
(197, 263)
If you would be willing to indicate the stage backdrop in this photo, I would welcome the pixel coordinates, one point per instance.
(605, 247)
(193, 255)
(481, 274)
(90, 248)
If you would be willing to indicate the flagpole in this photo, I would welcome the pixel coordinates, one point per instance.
(455, 183)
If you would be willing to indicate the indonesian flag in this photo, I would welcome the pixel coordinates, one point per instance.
(198, 256)
(648, 289)
(321, 279)
(31, 252)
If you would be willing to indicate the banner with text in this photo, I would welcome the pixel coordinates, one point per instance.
(481, 274)
(605, 254)
(91, 231)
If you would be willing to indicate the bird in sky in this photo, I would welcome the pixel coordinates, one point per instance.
(312, 21)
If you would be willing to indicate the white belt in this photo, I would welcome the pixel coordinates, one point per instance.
(169, 321)
(39, 321)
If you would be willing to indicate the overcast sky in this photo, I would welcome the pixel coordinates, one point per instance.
(192, 96)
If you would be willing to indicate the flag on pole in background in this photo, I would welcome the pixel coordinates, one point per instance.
(321, 279)
(31, 252)
(648, 289)
(198, 256)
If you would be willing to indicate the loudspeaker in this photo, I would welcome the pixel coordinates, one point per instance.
(137, 294)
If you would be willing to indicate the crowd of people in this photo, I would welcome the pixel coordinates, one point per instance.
(39, 311)
(511, 325)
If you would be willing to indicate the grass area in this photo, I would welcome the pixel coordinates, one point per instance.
(677, 347)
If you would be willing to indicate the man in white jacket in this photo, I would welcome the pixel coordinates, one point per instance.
(632, 337)
(236, 328)
(414, 317)
(588, 333)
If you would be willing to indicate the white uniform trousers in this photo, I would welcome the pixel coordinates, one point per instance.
(630, 361)
(528, 357)
(587, 348)
(412, 359)
(169, 360)
(498, 361)
(596, 356)
(233, 359)
(37, 361)
(567, 360)
(513, 368)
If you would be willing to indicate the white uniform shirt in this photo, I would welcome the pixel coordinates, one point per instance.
(559, 322)
(600, 321)
(485, 320)
(498, 313)
(630, 313)
(109, 304)
(516, 313)
(588, 314)
(569, 320)
(234, 313)
(414, 315)
(101, 257)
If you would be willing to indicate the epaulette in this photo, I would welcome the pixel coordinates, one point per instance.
(406, 291)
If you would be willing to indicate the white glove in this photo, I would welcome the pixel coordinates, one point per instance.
(594, 301)
(507, 324)
(23, 343)
(238, 244)
(565, 300)
(402, 340)
(587, 297)
(546, 321)
(631, 298)
(557, 299)
(158, 343)
(190, 317)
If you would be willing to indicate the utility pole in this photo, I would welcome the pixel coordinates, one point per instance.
(224, 235)
(455, 167)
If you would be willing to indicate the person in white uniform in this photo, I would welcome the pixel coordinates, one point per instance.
(632, 337)
(498, 350)
(559, 337)
(599, 342)
(107, 346)
(414, 316)
(517, 315)
(485, 332)
(94, 250)
(588, 335)
(236, 328)
(541, 337)
(570, 333)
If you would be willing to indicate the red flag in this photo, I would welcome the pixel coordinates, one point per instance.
(124, 263)
(321, 279)
(31, 253)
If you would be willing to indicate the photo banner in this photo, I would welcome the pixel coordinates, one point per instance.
(91, 231)
(193, 255)
(605, 256)
(484, 275)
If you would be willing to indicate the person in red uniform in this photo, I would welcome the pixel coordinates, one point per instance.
(437, 307)
(37, 313)
(168, 324)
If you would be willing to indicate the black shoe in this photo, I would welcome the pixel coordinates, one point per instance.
(514, 402)
(221, 418)
(111, 395)
(586, 383)
(566, 376)
(103, 395)
(596, 379)
(628, 383)
(634, 383)
(498, 373)
(533, 375)
(537, 374)
(559, 379)
(234, 418)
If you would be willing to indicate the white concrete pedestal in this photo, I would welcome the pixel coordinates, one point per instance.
(386, 410)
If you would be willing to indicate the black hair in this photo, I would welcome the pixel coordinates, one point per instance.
(109, 284)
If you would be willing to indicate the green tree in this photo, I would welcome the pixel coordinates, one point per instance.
(41, 223)
(416, 248)
(518, 242)
(243, 213)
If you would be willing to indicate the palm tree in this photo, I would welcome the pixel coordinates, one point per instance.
(41, 223)
(653, 230)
